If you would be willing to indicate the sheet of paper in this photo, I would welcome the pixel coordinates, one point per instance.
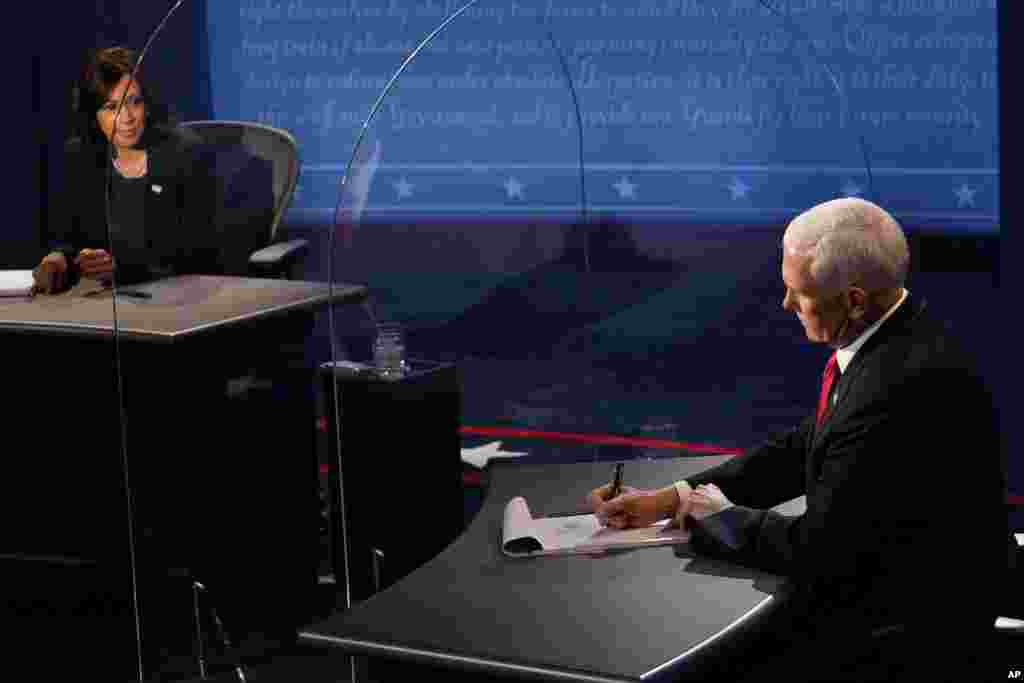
(566, 532)
(16, 282)
(585, 532)
(524, 535)
(658, 533)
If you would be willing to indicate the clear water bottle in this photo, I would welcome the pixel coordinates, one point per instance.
(389, 351)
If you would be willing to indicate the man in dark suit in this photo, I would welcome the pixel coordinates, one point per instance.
(896, 563)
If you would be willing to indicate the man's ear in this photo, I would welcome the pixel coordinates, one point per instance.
(858, 302)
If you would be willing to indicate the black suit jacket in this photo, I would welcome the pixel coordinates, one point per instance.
(179, 206)
(905, 520)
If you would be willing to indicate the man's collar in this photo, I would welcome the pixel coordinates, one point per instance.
(846, 354)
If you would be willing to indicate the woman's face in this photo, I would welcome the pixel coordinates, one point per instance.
(130, 123)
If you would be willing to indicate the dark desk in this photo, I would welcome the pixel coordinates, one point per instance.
(176, 353)
(160, 465)
(645, 614)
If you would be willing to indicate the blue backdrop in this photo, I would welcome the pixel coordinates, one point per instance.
(699, 111)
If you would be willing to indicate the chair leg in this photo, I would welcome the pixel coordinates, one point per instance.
(226, 643)
(197, 590)
(200, 644)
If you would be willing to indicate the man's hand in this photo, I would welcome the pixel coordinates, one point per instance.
(94, 263)
(633, 507)
(707, 499)
(51, 273)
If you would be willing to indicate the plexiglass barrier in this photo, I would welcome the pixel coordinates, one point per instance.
(568, 201)
(173, 407)
(219, 351)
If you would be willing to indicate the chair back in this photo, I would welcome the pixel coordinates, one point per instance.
(237, 144)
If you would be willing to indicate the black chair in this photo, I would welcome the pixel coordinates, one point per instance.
(257, 168)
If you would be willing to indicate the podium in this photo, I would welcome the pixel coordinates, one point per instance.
(114, 483)
(394, 471)
(474, 614)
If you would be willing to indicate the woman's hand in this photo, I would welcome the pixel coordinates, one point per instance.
(51, 273)
(95, 263)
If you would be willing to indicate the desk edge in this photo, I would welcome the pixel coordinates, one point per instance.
(711, 640)
(460, 661)
(78, 328)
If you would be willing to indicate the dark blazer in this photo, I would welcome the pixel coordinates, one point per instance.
(905, 518)
(179, 206)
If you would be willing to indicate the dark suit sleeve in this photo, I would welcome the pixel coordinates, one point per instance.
(767, 475)
(824, 543)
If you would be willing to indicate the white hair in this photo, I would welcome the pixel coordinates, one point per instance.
(850, 241)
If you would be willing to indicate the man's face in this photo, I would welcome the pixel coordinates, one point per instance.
(823, 314)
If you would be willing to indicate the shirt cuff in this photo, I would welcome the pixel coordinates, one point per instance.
(684, 490)
(718, 500)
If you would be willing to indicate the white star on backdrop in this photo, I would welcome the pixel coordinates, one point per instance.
(965, 195)
(738, 188)
(626, 189)
(514, 188)
(403, 187)
(851, 189)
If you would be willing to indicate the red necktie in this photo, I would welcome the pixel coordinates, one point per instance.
(827, 379)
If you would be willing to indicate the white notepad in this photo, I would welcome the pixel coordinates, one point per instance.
(523, 535)
(16, 282)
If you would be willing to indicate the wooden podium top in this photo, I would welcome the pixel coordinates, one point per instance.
(177, 307)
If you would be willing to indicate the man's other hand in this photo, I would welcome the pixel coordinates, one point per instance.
(95, 263)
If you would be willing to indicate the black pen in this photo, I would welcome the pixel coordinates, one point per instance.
(617, 481)
(133, 293)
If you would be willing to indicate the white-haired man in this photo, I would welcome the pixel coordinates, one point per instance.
(905, 536)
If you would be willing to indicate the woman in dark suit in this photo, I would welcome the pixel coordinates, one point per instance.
(161, 197)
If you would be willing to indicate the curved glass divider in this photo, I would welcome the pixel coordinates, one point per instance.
(464, 186)
(707, 127)
(147, 221)
(581, 208)
(217, 299)
(701, 137)
(822, 105)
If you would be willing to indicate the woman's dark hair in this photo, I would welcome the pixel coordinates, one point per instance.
(103, 70)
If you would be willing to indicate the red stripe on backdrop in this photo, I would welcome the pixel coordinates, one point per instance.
(598, 439)
(609, 440)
